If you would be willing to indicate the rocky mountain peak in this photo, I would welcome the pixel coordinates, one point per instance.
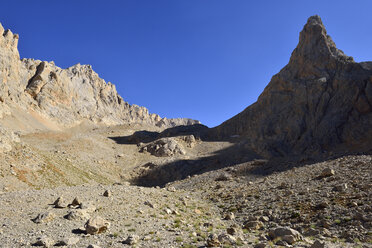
(319, 102)
(315, 50)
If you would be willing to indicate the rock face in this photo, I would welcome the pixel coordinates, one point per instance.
(320, 102)
(65, 96)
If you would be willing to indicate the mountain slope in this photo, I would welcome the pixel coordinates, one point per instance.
(320, 102)
(64, 97)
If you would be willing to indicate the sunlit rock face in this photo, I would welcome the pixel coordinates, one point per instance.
(65, 96)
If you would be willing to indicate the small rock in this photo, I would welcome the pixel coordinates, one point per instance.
(321, 205)
(317, 244)
(283, 185)
(264, 219)
(340, 188)
(288, 192)
(148, 203)
(96, 225)
(224, 177)
(60, 203)
(281, 243)
(107, 193)
(197, 211)
(75, 203)
(68, 241)
(254, 225)
(171, 189)
(227, 239)
(311, 232)
(260, 245)
(77, 214)
(285, 232)
(131, 240)
(44, 242)
(327, 172)
(44, 217)
(147, 238)
(168, 211)
(212, 241)
(230, 216)
(353, 204)
(289, 239)
(232, 230)
(88, 207)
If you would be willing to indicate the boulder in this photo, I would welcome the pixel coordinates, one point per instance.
(226, 239)
(164, 147)
(96, 225)
(77, 214)
(44, 217)
(60, 203)
(327, 172)
(285, 233)
(44, 242)
(213, 241)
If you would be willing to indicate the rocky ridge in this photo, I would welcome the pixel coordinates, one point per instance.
(66, 97)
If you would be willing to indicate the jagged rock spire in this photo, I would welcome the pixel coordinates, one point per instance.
(315, 45)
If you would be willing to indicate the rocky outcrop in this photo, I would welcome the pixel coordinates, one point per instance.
(7, 139)
(165, 147)
(65, 96)
(320, 102)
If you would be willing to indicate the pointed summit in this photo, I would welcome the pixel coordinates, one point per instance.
(320, 102)
(316, 46)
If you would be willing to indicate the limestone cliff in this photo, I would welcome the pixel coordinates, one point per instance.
(65, 96)
(320, 102)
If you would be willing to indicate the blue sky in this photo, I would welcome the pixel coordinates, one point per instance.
(202, 59)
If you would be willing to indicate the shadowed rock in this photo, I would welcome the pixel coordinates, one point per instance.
(319, 103)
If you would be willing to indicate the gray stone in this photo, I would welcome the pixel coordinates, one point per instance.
(253, 225)
(44, 217)
(327, 172)
(318, 244)
(164, 147)
(131, 240)
(285, 233)
(226, 239)
(213, 241)
(60, 203)
(96, 225)
(75, 203)
(77, 214)
(68, 241)
(44, 242)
